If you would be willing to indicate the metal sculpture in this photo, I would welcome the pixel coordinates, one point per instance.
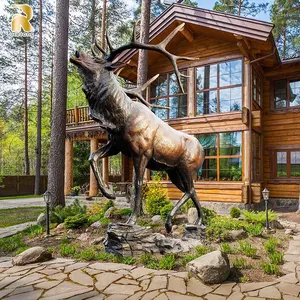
(134, 130)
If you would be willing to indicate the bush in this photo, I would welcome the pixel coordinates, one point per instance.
(188, 257)
(75, 191)
(235, 212)
(128, 260)
(108, 205)
(167, 262)
(87, 254)
(276, 257)
(240, 263)
(225, 247)
(164, 211)
(259, 217)
(270, 245)
(248, 249)
(76, 221)
(10, 244)
(244, 279)
(254, 229)
(118, 213)
(149, 261)
(209, 214)
(156, 197)
(271, 269)
(59, 214)
(202, 250)
(66, 250)
(105, 221)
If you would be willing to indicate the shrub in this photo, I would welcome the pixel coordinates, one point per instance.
(271, 269)
(156, 197)
(108, 205)
(87, 254)
(67, 250)
(149, 261)
(105, 221)
(75, 191)
(59, 214)
(244, 279)
(21, 249)
(259, 217)
(104, 256)
(240, 263)
(167, 262)
(271, 244)
(128, 260)
(235, 212)
(202, 250)
(76, 221)
(276, 257)
(188, 257)
(117, 213)
(254, 229)
(11, 244)
(209, 214)
(96, 208)
(95, 218)
(225, 247)
(248, 249)
(164, 211)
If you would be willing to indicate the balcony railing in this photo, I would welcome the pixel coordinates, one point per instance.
(79, 115)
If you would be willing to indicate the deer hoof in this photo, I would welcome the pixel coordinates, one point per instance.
(168, 226)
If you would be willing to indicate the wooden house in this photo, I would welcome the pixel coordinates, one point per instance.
(241, 101)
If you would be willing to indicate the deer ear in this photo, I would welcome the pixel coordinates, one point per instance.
(111, 66)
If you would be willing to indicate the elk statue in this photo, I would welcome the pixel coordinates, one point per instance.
(134, 130)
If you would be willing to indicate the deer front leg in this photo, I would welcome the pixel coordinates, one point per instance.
(139, 164)
(109, 149)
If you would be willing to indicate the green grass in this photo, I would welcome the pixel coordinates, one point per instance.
(20, 197)
(14, 216)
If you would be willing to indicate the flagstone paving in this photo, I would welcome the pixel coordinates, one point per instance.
(68, 279)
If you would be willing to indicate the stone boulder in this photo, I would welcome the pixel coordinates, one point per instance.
(156, 219)
(32, 255)
(41, 220)
(210, 268)
(192, 215)
(96, 225)
(235, 235)
(276, 225)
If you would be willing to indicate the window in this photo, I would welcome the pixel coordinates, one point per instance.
(286, 93)
(256, 87)
(166, 92)
(287, 164)
(219, 87)
(256, 155)
(223, 156)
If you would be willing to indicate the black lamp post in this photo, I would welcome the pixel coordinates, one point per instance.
(48, 200)
(265, 194)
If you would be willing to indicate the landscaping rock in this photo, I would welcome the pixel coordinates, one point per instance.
(96, 225)
(41, 220)
(210, 268)
(32, 255)
(156, 219)
(108, 213)
(192, 215)
(98, 240)
(235, 235)
(60, 227)
(84, 237)
(289, 232)
(276, 225)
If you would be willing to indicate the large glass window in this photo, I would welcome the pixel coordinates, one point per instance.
(287, 164)
(223, 156)
(219, 87)
(286, 93)
(166, 95)
(256, 157)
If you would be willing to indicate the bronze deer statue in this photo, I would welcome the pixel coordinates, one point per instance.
(134, 130)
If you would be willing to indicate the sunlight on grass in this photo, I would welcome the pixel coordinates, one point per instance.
(20, 197)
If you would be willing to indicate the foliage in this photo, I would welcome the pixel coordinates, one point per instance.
(244, 279)
(99, 207)
(276, 257)
(11, 244)
(94, 218)
(271, 244)
(254, 229)
(128, 260)
(235, 212)
(104, 221)
(202, 250)
(21, 249)
(258, 217)
(76, 221)
(67, 250)
(117, 213)
(59, 214)
(225, 247)
(248, 249)
(87, 254)
(149, 261)
(108, 205)
(155, 196)
(188, 257)
(75, 190)
(164, 211)
(81, 165)
(240, 263)
(271, 269)
(167, 262)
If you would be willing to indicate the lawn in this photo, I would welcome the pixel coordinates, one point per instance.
(20, 197)
(13, 216)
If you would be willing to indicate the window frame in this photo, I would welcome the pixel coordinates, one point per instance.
(288, 107)
(218, 157)
(168, 95)
(259, 158)
(260, 77)
(218, 88)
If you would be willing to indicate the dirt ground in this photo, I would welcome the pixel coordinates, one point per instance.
(290, 216)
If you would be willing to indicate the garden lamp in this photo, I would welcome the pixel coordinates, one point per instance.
(48, 200)
(265, 194)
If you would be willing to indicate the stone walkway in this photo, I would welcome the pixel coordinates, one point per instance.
(11, 230)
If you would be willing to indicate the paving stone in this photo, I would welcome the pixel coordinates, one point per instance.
(270, 292)
(158, 282)
(49, 271)
(175, 296)
(196, 287)
(163, 272)
(34, 270)
(4, 292)
(225, 289)
(127, 281)
(177, 284)
(289, 297)
(291, 257)
(180, 274)
(26, 296)
(150, 295)
(254, 298)
(89, 295)
(253, 294)
(75, 266)
(5, 258)
(122, 289)
(58, 276)
(144, 284)
(16, 269)
(22, 290)
(6, 264)
(214, 297)
(58, 261)
(236, 296)
(99, 297)
(139, 272)
(144, 277)
(290, 278)
(110, 266)
(46, 285)
(80, 277)
(162, 297)
(117, 297)
(288, 288)
(92, 272)
(25, 280)
(289, 267)
(65, 290)
(136, 296)
(236, 288)
(124, 272)
(105, 279)
(248, 287)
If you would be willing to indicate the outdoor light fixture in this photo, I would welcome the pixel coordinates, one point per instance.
(48, 200)
(265, 194)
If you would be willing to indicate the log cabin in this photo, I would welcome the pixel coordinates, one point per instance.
(240, 100)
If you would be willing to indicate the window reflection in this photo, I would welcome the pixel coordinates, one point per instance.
(280, 94)
(231, 143)
(295, 163)
(295, 93)
(231, 169)
(231, 73)
(281, 164)
(206, 102)
(231, 99)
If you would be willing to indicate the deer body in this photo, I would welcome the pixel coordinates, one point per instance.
(138, 133)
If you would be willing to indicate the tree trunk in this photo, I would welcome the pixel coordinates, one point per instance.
(58, 122)
(39, 108)
(93, 20)
(144, 38)
(284, 43)
(240, 7)
(26, 155)
(103, 24)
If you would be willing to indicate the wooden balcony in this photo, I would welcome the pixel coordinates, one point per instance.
(78, 116)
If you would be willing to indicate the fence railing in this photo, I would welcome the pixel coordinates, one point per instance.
(79, 115)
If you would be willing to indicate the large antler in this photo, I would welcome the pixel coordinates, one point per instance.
(161, 48)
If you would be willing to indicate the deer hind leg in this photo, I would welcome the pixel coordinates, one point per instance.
(196, 201)
(109, 149)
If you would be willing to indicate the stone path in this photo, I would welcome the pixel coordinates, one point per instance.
(11, 230)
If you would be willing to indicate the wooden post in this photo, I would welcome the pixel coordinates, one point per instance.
(93, 182)
(76, 115)
(191, 92)
(105, 169)
(68, 166)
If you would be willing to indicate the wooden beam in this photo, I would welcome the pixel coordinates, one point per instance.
(93, 182)
(242, 38)
(68, 166)
(187, 33)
